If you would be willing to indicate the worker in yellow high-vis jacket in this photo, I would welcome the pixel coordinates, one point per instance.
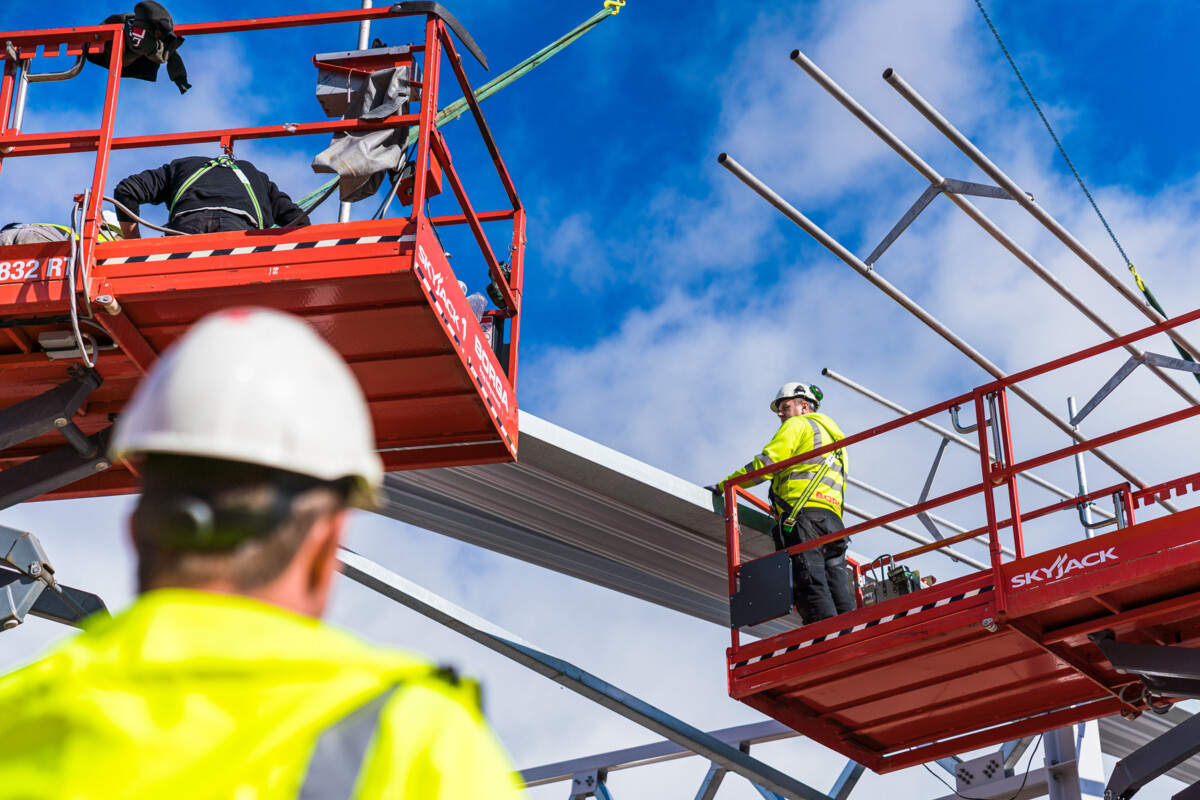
(252, 438)
(807, 499)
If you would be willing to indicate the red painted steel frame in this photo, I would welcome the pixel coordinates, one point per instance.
(995, 655)
(381, 291)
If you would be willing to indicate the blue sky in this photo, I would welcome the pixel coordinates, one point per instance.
(665, 303)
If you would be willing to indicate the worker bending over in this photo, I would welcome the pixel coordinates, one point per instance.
(251, 438)
(208, 195)
(807, 499)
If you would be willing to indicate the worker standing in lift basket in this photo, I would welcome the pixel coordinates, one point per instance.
(807, 499)
(252, 439)
(207, 195)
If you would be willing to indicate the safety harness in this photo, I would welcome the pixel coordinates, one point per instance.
(220, 161)
(827, 463)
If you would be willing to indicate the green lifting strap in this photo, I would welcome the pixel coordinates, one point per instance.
(219, 161)
(1153, 301)
(460, 106)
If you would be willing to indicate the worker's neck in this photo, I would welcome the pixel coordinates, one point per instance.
(284, 592)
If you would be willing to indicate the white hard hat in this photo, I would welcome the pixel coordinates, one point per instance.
(110, 226)
(805, 391)
(256, 386)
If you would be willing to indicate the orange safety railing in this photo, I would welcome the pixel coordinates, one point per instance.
(998, 472)
(23, 48)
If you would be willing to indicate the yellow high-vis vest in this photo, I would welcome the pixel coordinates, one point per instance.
(797, 435)
(196, 695)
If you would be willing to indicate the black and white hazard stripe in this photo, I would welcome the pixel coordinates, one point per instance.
(266, 248)
(871, 624)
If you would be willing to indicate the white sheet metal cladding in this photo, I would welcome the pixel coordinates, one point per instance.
(587, 511)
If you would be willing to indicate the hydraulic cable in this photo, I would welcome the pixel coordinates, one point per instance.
(121, 206)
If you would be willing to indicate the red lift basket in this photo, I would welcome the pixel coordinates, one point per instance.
(1006, 652)
(380, 291)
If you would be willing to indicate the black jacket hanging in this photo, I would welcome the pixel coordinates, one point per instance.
(150, 42)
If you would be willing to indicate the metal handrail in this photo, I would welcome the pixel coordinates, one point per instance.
(22, 46)
(994, 475)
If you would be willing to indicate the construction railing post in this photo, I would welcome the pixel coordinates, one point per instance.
(1003, 430)
(989, 500)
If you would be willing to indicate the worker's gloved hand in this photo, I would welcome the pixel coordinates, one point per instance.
(714, 488)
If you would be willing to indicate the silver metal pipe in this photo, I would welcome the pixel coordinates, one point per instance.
(834, 246)
(66, 74)
(972, 211)
(22, 91)
(938, 429)
(896, 501)
(364, 29)
(1081, 473)
(1037, 212)
(364, 41)
(408, 594)
(915, 537)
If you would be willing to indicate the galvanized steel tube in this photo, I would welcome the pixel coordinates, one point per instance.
(994, 230)
(834, 246)
(1037, 212)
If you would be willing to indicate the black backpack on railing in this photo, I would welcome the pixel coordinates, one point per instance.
(150, 42)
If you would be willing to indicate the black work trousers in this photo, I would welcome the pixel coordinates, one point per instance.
(819, 576)
(210, 222)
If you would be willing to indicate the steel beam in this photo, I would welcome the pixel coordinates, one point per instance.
(1154, 759)
(391, 585)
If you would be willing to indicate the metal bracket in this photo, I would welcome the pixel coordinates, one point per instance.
(959, 427)
(25, 574)
(924, 515)
(592, 783)
(948, 185)
(1149, 359)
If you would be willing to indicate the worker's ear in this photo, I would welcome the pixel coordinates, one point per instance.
(326, 538)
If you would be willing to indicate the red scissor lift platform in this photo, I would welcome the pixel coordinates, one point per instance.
(989, 657)
(381, 291)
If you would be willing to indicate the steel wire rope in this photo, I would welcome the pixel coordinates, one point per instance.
(1150, 298)
(1014, 796)
(121, 207)
(73, 258)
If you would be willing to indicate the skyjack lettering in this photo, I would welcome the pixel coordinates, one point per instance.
(458, 323)
(1063, 566)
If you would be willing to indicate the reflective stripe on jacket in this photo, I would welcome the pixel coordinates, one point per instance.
(797, 435)
(195, 695)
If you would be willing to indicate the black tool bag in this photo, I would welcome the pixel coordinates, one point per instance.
(150, 42)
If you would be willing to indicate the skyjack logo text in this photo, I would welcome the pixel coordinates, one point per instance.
(1062, 567)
